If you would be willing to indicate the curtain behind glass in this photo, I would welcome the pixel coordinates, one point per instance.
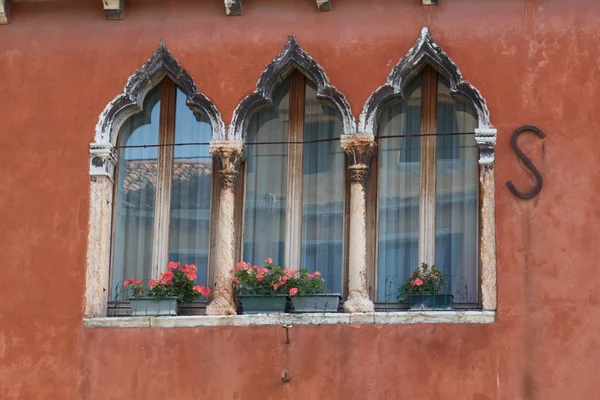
(323, 191)
(399, 191)
(189, 234)
(266, 181)
(135, 198)
(457, 200)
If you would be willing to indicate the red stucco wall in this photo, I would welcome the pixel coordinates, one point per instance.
(535, 61)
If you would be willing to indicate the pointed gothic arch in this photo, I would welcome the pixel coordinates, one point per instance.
(426, 51)
(128, 103)
(292, 56)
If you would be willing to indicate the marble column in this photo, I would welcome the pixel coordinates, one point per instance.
(359, 148)
(228, 154)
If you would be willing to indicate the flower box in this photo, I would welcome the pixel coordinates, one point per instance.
(419, 302)
(316, 303)
(263, 304)
(163, 295)
(149, 306)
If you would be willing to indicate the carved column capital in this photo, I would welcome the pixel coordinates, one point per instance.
(103, 158)
(229, 154)
(233, 7)
(323, 5)
(486, 140)
(359, 147)
(114, 9)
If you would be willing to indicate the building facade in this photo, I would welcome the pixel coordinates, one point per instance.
(360, 139)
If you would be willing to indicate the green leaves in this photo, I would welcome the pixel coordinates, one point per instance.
(423, 280)
(306, 282)
(272, 279)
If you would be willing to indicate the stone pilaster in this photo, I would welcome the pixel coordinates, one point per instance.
(233, 7)
(488, 238)
(228, 154)
(102, 166)
(114, 9)
(4, 11)
(359, 148)
(323, 5)
(486, 140)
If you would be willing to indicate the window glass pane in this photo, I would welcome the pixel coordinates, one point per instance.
(457, 170)
(323, 191)
(135, 198)
(399, 191)
(189, 235)
(266, 180)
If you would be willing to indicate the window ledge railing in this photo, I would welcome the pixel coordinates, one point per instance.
(374, 318)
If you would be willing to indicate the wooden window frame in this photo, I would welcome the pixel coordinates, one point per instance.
(294, 179)
(427, 198)
(294, 186)
(164, 181)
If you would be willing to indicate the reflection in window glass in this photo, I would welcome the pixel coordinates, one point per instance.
(456, 194)
(189, 234)
(136, 192)
(323, 191)
(399, 192)
(266, 181)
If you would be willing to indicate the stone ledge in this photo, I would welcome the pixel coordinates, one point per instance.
(375, 318)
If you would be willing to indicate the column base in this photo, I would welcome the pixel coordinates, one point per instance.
(358, 302)
(221, 306)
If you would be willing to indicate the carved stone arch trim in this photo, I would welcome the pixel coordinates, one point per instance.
(425, 51)
(292, 56)
(139, 84)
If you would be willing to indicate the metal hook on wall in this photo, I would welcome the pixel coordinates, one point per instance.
(528, 163)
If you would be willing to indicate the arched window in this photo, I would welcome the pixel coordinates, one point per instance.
(294, 183)
(163, 189)
(427, 175)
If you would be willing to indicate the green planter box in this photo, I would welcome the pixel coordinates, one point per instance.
(431, 302)
(149, 306)
(316, 303)
(257, 304)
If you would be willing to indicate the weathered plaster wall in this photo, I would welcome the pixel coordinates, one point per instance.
(535, 62)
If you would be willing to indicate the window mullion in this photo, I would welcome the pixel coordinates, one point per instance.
(428, 143)
(160, 248)
(293, 226)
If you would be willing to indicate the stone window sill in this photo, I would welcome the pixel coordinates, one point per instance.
(383, 318)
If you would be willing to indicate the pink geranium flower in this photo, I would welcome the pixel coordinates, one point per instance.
(293, 291)
(241, 265)
(288, 272)
(204, 291)
(167, 275)
(191, 275)
(417, 282)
